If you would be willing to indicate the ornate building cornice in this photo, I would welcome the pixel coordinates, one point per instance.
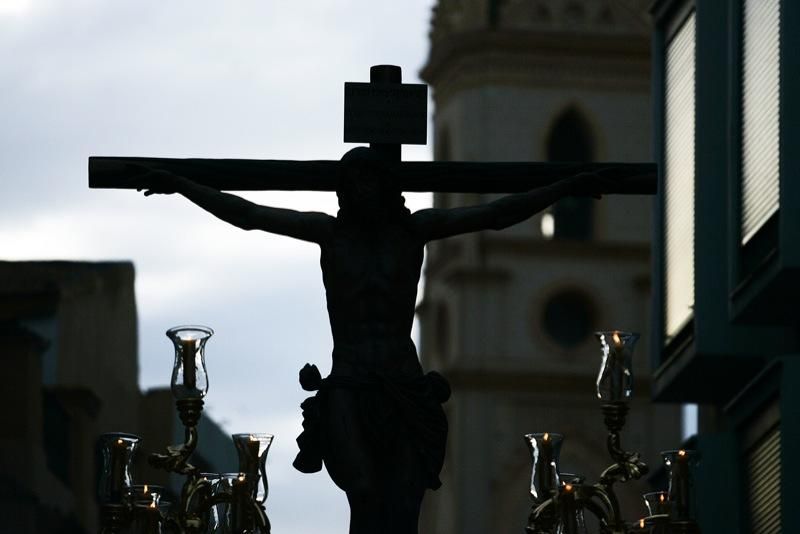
(470, 47)
(575, 17)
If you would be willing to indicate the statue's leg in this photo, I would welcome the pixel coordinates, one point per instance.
(374, 460)
(404, 489)
(350, 459)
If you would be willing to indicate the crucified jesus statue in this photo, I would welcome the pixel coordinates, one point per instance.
(376, 421)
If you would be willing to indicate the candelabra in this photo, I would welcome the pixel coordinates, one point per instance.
(561, 501)
(231, 503)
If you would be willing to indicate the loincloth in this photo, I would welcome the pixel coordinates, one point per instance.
(407, 406)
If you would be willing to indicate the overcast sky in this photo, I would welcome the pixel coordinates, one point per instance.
(247, 78)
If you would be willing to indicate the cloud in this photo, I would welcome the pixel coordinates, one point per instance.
(11, 8)
(178, 79)
(205, 78)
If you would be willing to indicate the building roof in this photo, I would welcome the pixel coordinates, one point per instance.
(576, 17)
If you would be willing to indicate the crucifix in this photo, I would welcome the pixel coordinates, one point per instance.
(376, 421)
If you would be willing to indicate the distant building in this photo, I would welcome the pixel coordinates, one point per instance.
(508, 316)
(727, 250)
(68, 339)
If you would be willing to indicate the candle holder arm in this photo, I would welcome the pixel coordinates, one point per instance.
(197, 501)
(176, 459)
(542, 518)
(628, 465)
(600, 513)
(602, 502)
(262, 521)
(170, 525)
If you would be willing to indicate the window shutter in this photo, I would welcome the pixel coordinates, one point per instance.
(679, 179)
(760, 113)
(763, 464)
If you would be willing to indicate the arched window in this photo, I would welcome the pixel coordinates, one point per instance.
(571, 139)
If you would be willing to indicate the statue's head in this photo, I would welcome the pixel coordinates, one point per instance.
(367, 188)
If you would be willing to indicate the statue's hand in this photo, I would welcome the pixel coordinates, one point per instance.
(156, 181)
(589, 184)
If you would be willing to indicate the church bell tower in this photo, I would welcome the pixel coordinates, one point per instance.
(509, 316)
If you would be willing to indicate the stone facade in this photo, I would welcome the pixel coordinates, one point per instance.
(508, 316)
(68, 335)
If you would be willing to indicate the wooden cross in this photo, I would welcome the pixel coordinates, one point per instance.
(378, 357)
(386, 113)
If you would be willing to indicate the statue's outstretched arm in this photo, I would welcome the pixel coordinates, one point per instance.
(308, 226)
(501, 213)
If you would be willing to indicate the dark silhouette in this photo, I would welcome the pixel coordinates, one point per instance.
(376, 420)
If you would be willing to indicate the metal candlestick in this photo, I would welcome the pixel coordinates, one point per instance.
(561, 510)
(122, 505)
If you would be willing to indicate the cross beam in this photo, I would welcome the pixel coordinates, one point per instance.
(411, 176)
(385, 113)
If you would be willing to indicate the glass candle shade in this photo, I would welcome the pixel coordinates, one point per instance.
(189, 376)
(571, 519)
(571, 478)
(253, 449)
(615, 380)
(224, 486)
(238, 511)
(657, 503)
(213, 523)
(146, 494)
(117, 450)
(680, 465)
(212, 478)
(147, 519)
(545, 448)
(164, 507)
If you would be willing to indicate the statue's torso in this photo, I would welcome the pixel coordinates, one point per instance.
(371, 278)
